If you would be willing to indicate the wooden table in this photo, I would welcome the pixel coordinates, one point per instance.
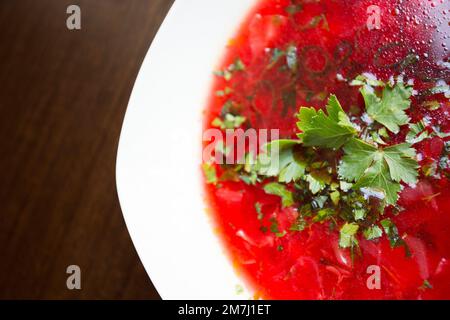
(63, 95)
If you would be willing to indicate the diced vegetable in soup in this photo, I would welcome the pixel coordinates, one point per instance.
(351, 200)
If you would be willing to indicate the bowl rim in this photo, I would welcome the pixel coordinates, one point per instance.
(167, 220)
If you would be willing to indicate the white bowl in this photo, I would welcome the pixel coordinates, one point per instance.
(159, 156)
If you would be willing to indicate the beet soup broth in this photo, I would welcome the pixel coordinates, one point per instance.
(288, 54)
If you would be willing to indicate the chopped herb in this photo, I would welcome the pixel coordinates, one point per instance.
(294, 8)
(337, 171)
(281, 191)
(335, 196)
(318, 180)
(347, 235)
(258, 207)
(345, 186)
(425, 285)
(441, 88)
(291, 58)
(299, 225)
(224, 92)
(324, 214)
(282, 160)
(359, 214)
(227, 73)
(315, 21)
(229, 121)
(392, 232)
(367, 79)
(373, 233)
(274, 229)
(319, 202)
(209, 171)
(416, 133)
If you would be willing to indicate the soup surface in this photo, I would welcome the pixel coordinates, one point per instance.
(288, 54)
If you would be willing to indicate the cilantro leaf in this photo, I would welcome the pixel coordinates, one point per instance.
(280, 190)
(321, 130)
(389, 110)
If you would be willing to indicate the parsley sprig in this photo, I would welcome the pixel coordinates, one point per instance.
(352, 172)
(340, 170)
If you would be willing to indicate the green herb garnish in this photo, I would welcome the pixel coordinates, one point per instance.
(340, 170)
(280, 190)
(210, 173)
(339, 166)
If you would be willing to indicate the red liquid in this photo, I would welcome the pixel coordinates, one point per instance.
(333, 42)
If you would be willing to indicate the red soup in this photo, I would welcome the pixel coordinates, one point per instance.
(361, 208)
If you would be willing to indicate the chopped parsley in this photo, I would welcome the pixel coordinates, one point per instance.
(229, 121)
(347, 237)
(210, 173)
(258, 207)
(280, 190)
(373, 232)
(227, 73)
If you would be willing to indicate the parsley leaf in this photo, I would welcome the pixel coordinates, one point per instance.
(417, 133)
(321, 130)
(401, 162)
(280, 190)
(258, 208)
(299, 224)
(210, 173)
(291, 58)
(229, 121)
(347, 237)
(227, 73)
(392, 232)
(381, 169)
(389, 110)
(377, 177)
(373, 233)
(318, 180)
(359, 155)
(283, 159)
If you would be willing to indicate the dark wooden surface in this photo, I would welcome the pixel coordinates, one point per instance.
(63, 95)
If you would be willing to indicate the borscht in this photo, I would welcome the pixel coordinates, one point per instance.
(326, 149)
